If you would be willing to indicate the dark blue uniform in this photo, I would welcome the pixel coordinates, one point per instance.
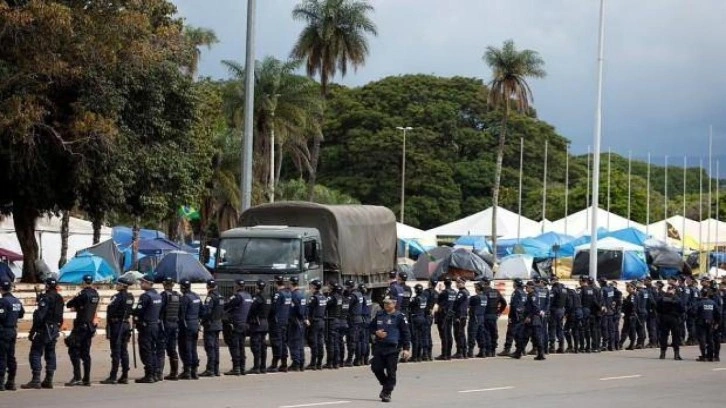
(590, 323)
(238, 310)
(557, 315)
(476, 331)
(395, 291)
(516, 316)
(544, 298)
(11, 310)
(533, 325)
(44, 333)
(461, 307)
(257, 319)
(119, 331)
(344, 327)
(385, 351)
(496, 304)
(212, 324)
(670, 310)
(316, 319)
(573, 322)
(332, 344)
(445, 321)
(84, 327)
(707, 315)
(296, 328)
(418, 325)
(364, 343)
(355, 325)
(607, 321)
(169, 334)
(279, 315)
(146, 316)
(191, 312)
(427, 343)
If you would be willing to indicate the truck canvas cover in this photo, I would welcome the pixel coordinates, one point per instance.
(356, 239)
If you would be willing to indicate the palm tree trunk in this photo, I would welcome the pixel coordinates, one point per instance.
(271, 184)
(278, 165)
(314, 157)
(135, 245)
(498, 178)
(24, 223)
(96, 221)
(66, 217)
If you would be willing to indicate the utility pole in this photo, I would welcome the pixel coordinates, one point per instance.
(246, 178)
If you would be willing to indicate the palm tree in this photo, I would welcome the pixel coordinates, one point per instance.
(510, 69)
(333, 39)
(286, 107)
(198, 37)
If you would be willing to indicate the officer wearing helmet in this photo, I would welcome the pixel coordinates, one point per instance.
(419, 303)
(237, 309)
(85, 304)
(212, 323)
(47, 320)
(355, 324)
(118, 331)
(406, 294)
(445, 319)
(315, 323)
(495, 306)
(296, 325)
(431, 295)
(11, 310)
(476, 331)
(334, 310)
(146, 318)
(364, 344)
(169, 326)
(395, 290)
(516, 316)
(279, 316)
(257, 319)
(190, 313)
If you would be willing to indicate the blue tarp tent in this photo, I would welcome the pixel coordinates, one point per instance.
(181, 265)
(415, 249)
(128, 256)
(616, 259)
(631, 235)
(554, 238)
(122, 235)
(568, 250)
(716, 259)
(536, 248)
(476, 242)
(86, 264)
(157, 246)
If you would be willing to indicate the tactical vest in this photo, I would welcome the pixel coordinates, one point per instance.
(706, 312)
(356, 307)
(170, 310)
(461, 303)
(10, 308)
(86, 311)
(430, 295)
(492, 303)
(241, 311)
(335, 306)
(152, 309)
(318, 304)
(419, 305)
(120, 306)
(560, 296)
(478, 305)
(282, 303)
(215, 311)
(345, 307)
(406, 299)
(366, 305)
(193, 306)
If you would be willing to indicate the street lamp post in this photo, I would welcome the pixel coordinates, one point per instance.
(403, 170)
(596, 146)
(247, 142)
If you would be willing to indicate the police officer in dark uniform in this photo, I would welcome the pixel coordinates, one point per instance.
(590, 305)
(169, 330)
(496, 304)
(364, 342)
(11, 310)
(418, 323)
(557, 315)
(615, 326)
(118, 331)
(355, 322)
(461, 308)
(516, 308)
(406, 295)
(296, 325)
(238, 309)
(343, 324)
(257, 319)
(279, 315)
(645, 308)
(630, 316)
(476, 329)
(389, 329)
(670, 309)
(395, 290)
(573, 323)
(707, 315)
(191, 311)
(146, 318)
(652, 323)
(84, 328)
(212, 324)
(47, 320)
(315, 323)
(692, 291)
(533, 324)
(333, 313)
(607, 294)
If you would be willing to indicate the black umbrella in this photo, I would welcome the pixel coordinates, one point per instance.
(465, 260)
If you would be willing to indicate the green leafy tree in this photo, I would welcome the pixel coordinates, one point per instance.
(508, 87)
(333, 39)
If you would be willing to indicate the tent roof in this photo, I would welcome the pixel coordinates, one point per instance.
(481, 224)
(579, 223)
(631, 235)
(611, 244)
(693, 228)
(713, 231)
(404, 231)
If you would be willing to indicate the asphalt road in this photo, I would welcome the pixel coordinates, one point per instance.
(612, 379)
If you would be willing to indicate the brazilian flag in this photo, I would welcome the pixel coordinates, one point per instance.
(188, 213)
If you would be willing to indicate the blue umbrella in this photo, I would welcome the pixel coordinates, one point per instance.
(180, 265)
(86, 264)
(122, 235)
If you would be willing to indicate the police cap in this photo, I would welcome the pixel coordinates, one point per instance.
(211, 283)
(123, 281)
(185, 284)
(279, 279)
(316, 283)
(261, 284)
(168, 281)
(518, 282)
(6, 285)
(87, 279)
(51, 283)
(147, 278)
(240, 282)
(294, 280)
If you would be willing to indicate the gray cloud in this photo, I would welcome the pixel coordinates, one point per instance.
(663, 70)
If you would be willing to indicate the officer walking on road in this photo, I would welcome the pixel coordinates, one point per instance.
(169, 330)
(670, 309)
(84, 328)
(118, 332)
(257, 319)
(11, 310)
(191, 311)
(146, 315)
(315, 323)
(238, 311)
(47, 319)
(212, 324)
(389, 328)
(296, 326)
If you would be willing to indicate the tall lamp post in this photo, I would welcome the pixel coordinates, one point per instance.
(596, 146)
(403, 170)
(247, 143)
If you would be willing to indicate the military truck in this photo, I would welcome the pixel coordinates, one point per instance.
(332, 243)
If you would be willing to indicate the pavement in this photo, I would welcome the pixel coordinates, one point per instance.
(590, 380)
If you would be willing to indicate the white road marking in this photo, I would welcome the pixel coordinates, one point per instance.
(316, 404)
(720, 369)
(622, 377)
(509, 387)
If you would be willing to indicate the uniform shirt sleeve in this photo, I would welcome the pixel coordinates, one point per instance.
(405, 332)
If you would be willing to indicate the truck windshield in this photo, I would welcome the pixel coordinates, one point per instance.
(260, 253)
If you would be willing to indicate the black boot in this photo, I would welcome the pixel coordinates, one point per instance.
(174, 370)
(186, 374)
(283, 366)
(540, 355)
(194, 374)
(677, 354)
(505, 352)
(207, 373)
(124, 379)
(273, 367)
(148, 378)
(10, 384)
(253, 370)
(110, 380)
(87, 374)
(2, 382)
(517, 354)
(234, 371)
(48, 380)
(34, 384)
(662, 354)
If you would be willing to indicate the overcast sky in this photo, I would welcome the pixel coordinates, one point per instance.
(664, 59)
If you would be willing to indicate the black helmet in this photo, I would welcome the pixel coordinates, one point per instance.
(418, 288)
(349, 284)
(433, 281)
(518, 282)
(316, 283)
(479, 285)
(211, 283)
(168, 281)
(6, 285)
(447, 281)
(392, 274)
(185, 284)
(261, 284)
(51, 283)
(279, 279)
(240, 282)
(337, 288)
(87, 279)
(363, 288)
(485, 280)
(403, 275)
(294, 280)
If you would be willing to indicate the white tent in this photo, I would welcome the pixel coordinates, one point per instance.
(578, 224)
(692, 230)
(425, 238)
(611, 244)
(515, 266)
(714, 233)
(480, 224)
(47, 233)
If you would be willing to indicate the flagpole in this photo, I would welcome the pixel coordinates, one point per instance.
(587, 196)
(596, 143)
(521, 161)
(609, 154)
(544, 189)
(717, 202)
(700, 205)
(567, 184)
(665, 202)
(683, 227)
(647, 199)
(630, 172)
(710, 161)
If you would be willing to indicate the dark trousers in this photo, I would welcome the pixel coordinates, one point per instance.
(573, 331)
(278, 341)
(669, 326)
(79, 350)
(706, 340)
(7, 352)
(691, 327)
(630, 329)
(586, 343)
(460, 335)
(119, 336)
(557, 319)
(236, 347)
(418, 326)
(384, 366)
(148, 346)
(168, 343)
(211, 348)
(43, 345)
(188, 348)
(534, 332)
(317, 342)
(545, 333)
(351, 341)
(510, 336)
(332, 343)
(596, 331)
(427, 342)
(653, 329)
(606, 330)
(491, 333)
(364, 347)
(475, 334)
(445, 326)
(259, 350)
(343, 331)
(295, 340)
